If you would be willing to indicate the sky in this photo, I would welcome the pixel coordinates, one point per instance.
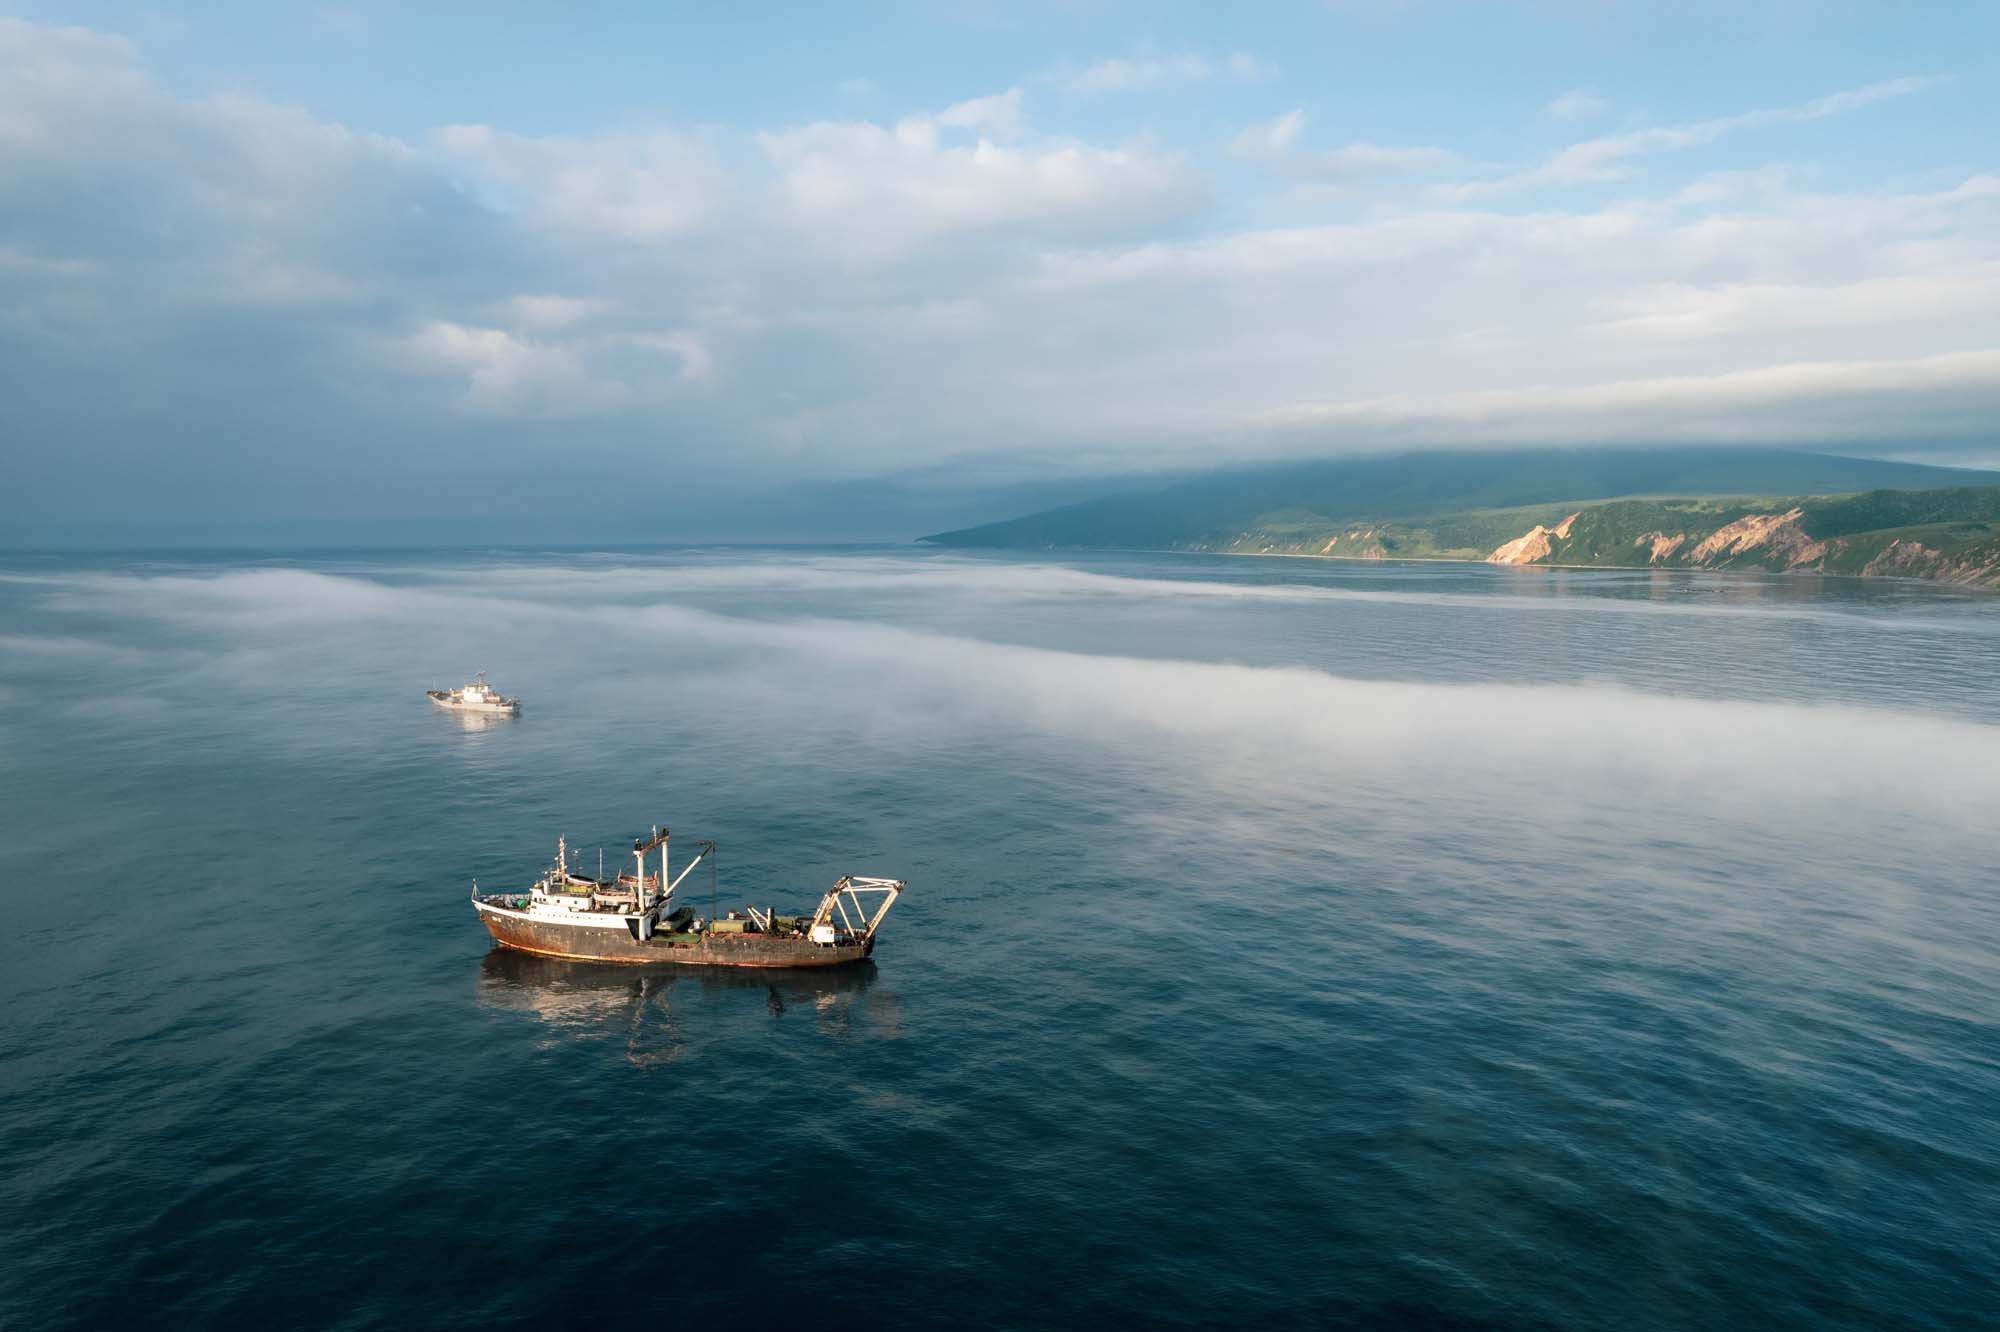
(499, 271)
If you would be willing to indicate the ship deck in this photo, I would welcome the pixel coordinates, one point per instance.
(596, 936)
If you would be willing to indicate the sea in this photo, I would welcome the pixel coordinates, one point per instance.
(1287, 944)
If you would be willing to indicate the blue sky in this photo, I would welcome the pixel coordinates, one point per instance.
(302, 263)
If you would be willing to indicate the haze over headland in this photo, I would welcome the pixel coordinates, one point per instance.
(363, 273)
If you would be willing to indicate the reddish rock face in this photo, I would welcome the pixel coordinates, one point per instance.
(1526, 549)
(1778, 533)
(1913, 559)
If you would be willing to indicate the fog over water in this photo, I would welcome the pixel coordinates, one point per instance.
(1349, 943)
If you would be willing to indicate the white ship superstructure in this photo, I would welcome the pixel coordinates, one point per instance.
(475, 697)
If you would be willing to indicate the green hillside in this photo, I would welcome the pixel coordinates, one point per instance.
(1289, 503)
(1951, 534)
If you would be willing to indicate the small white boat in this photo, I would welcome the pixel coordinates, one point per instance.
(475, 697)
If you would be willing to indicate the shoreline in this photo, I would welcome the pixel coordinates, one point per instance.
(1482, 564)
(1491, 564)
(1622, 568)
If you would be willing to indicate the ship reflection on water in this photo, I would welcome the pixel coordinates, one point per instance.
(475, 721)
(642, 1004)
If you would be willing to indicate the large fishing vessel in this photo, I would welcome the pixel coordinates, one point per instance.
(628, 918)
(475, 697)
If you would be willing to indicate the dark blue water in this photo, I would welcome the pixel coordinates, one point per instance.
(1288, 944)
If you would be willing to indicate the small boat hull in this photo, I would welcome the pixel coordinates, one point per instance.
(616, 939)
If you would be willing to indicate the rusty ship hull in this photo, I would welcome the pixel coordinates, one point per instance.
(621, 943)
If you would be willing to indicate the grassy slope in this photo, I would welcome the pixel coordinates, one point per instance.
(1951, 533)
(1601, 529)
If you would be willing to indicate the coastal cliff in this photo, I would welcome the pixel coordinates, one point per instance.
(1948, 536)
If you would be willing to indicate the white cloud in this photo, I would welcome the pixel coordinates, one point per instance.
(509, 373)
(998, 115)
(45, 66)
(642, 185)
(545, 311)
(1684, 312)
(1369, 159)
(1272, 142)
(1608, 157)
(1117, 74)
(1576, 104)
(697, 365)
(1403, 328)
(882, 187)
(847, 296)
(1953, 394)
(1277, 144)
(133, 210)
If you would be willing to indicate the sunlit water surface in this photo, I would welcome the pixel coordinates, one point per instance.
(1288, 944)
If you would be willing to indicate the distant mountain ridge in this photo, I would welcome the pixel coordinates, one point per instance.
(1217, 510)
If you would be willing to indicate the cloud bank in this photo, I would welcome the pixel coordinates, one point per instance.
(213, 302)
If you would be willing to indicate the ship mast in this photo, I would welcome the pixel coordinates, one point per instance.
(640, 846)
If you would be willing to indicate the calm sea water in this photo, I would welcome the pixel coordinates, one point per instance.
(1288, 944)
